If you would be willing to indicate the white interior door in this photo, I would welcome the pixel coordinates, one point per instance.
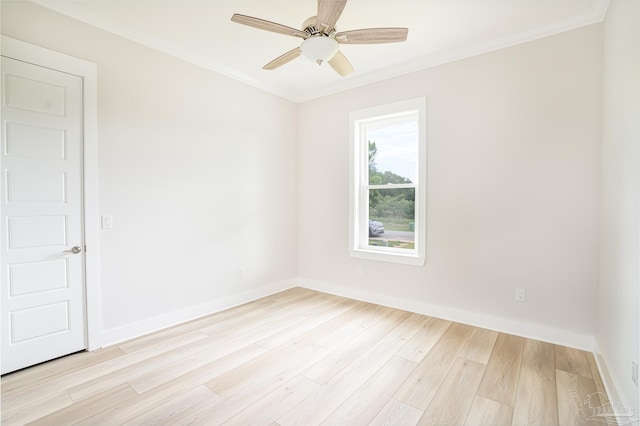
(42, 248)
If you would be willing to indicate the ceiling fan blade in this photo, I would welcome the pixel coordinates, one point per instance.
(328, 13)
(341, 64)
(283, 59)
(372, 36)
(268, 25)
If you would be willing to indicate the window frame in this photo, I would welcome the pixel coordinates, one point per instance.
(359, 183)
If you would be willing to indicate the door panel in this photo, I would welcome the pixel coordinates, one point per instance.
(29, 141)
(34, 95)
(36, 187)
(43, 313)
(36, 232)
(25, 278)
(39, 321)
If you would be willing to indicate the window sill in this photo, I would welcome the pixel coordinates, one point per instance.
(405, 259)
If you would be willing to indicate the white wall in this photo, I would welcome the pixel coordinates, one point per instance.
(513, 186)
(618, 298)
(197, 170)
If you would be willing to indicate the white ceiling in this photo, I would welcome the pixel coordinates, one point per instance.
(200, 31)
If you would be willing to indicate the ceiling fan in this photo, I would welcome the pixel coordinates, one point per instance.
(320, 39)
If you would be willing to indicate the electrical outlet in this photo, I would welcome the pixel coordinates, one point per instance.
(243, 272)
(359, 270)
(634, 372)
(521, 294)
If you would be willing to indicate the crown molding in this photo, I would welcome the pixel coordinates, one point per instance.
(596, 15)
(109, 25)
(72, 10)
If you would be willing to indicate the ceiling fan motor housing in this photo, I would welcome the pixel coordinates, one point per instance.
(309, 26)
(313, 31)
(320, 39)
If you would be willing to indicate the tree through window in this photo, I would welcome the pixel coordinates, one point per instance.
(388, 173)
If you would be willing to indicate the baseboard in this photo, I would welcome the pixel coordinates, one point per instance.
(140, 328)
(613, 393)
(519, 328)
(492, 322)
(477, 319)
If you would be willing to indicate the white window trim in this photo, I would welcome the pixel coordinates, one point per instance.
(357, 175)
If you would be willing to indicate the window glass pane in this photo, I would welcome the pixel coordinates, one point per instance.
(387, 170)
(393, 152)
(392, 217)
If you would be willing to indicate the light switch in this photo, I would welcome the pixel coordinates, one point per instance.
(107, 222)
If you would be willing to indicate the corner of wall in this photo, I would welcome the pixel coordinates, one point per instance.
(119, 334)
(609, 383)
(477, 319)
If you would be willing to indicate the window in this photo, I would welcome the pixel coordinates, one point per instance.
(388, 188)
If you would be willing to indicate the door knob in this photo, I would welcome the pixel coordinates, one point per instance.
(74, 250)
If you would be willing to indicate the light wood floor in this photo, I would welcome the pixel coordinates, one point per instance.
(303, 358)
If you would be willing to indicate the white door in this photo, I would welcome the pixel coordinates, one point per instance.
(42, 248)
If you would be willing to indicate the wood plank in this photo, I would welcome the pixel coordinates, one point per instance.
(202, 360)
(238, 336)
(39, 374)
(320, 404)
(500, 380)
(536, 402)
(82, 410)
(280, 401)
(288, 296)
(260, 361)
(262, 306)
(572, 361)
(455, 396)
(419, 345)
(244, 320)
(397, 413)
(251, 382)
(219, 347)
(27, 384)
(333, 325)
(421, 386)
(175, 408)
(271, 365)
(340, 358)
(235, 403)
(241, 313)
(480, 345)
(29, 413)
(486, 412)
(312, 322)
(37, 394)
(189, 344)
(172, 389)
(343, 333)
(241, 325)
(363, 405)
(573, 391)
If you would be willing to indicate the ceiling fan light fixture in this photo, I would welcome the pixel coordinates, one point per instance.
(321, 40)
(319, 49)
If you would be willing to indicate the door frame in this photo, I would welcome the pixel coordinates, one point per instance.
(88, 71)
